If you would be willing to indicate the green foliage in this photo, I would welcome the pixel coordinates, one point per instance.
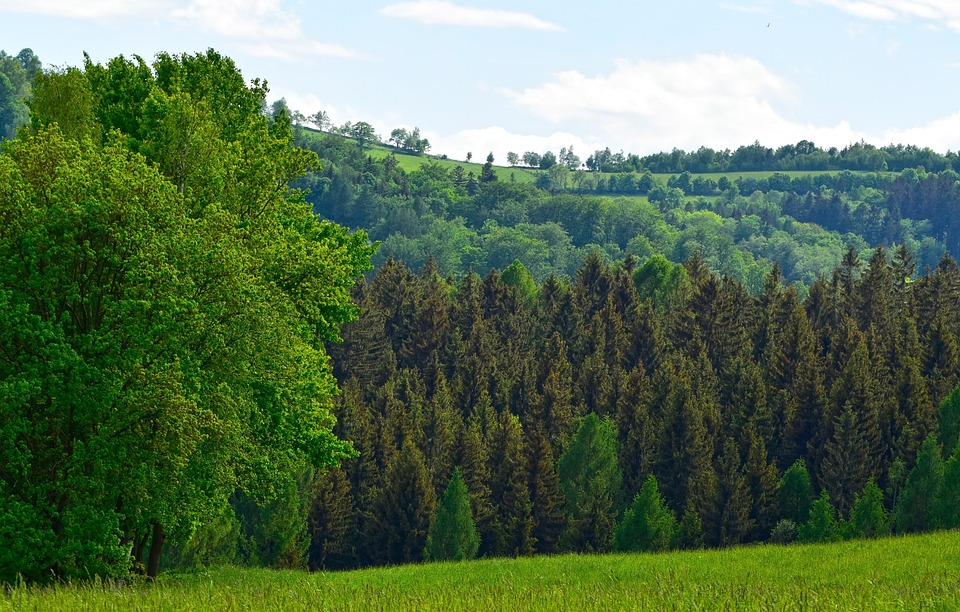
(648, 524)
(822, 525)
(950, 421)
(517, 276)
(590, 480)
(948, 500)
(915, 510)
(795, 493)
(165, 319)
(453, 535)
(868, 517)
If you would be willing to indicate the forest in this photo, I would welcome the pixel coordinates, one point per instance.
(228, 339)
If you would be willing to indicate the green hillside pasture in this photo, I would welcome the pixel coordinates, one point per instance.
(410, 162)
(891, 574)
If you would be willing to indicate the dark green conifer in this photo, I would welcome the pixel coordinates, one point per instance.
(332, 522)
(400, 515)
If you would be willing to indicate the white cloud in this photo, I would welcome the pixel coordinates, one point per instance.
(440, 12)
(939, 11)
(718, 101)
(89, 10)
(263, 27)
(940, 135)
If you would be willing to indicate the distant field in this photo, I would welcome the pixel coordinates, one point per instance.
(891, 574)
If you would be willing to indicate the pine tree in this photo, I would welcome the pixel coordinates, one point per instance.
(453, 535)
(648, 524)
(847, 461)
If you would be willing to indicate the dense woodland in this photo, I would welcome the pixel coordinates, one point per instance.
(560, 402)
(611, 359)
(740, 225)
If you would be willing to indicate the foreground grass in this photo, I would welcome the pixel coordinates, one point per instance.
(892, 574)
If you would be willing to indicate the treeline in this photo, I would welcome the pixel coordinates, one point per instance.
(642, 407)
(463, 221)
(804, 155)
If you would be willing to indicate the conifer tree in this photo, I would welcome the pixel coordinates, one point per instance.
(950, 421)
(847, 462)
(733, 498)
(822, 525)
(400, 516)
(546, 500)
(590, 480)
(916, 511)
(795, 493)
(453, 535)
(948, 500)
(648, 524)
(868, 517)
(332, 522)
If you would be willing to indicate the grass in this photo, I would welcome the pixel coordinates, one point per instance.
(921, 572)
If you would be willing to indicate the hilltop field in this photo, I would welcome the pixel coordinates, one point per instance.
(907, 573)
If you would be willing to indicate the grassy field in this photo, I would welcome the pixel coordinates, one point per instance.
(891, 574)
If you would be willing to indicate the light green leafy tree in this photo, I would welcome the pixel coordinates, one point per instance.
(163, 322)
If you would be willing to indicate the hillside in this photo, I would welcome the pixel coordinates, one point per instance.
(742, 222)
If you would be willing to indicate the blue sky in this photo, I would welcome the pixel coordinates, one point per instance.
(540, 75)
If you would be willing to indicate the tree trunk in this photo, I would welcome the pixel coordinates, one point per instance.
(156, 545)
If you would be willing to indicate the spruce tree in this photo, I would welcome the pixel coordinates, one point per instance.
(453, 535)
(868, 517)
(400, 516)
(948, 500)
(795, 493)
(648, 524)
(590, 480)
(332, 522)
(822, 525)
(915, 511)
(950, 421)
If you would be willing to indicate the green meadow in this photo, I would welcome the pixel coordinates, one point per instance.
(907, 573)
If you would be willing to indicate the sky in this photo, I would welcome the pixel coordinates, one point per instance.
(494, 76)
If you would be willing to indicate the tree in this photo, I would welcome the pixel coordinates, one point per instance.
(648, 524)
(822, 525)
(400, 516)
(590, 481)
(320, 119)
(512, 158)
(795, 493)
(453, 535)
(950, 421)
(363, 133)
(915, 512)
(868, 517)
(190, 331)
(487, 173)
